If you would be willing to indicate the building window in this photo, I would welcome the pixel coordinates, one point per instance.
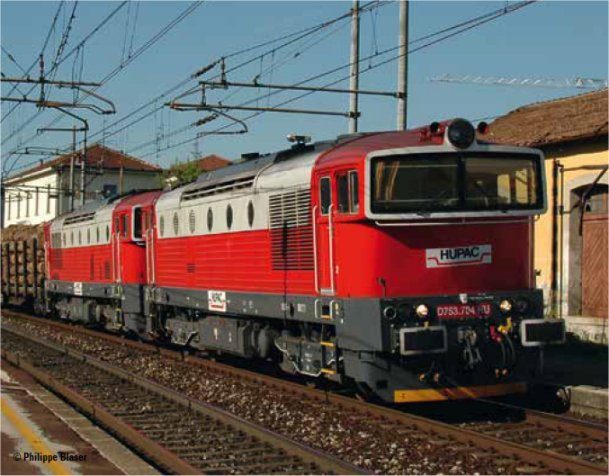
(176, 223)
(9, 205)
(229, 217)
(18, 205)
(109, 190)
(48, 198)
(210, 219)
(250, 214)
(27, 204)
(191, 221)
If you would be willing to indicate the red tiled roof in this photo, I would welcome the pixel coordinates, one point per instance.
(562, 120)
(97, 155)
(211, 162)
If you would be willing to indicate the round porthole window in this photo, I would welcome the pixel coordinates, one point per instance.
(97, 234)
(71, 238)
(250, 214)
(210, 219)
(107, 232)
(229, 217)
(191, 221)
(162, 225)
(88, 236)
(79, 237)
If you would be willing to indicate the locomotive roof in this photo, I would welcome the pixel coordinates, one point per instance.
(250, 168)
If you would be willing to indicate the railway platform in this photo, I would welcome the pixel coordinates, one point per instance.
(41, 434)
(581, 367)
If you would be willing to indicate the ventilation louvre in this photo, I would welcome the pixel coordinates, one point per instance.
(79, 218)
(206, 190)
(291, 231)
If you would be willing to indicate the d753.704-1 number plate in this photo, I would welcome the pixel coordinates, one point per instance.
(461, 311)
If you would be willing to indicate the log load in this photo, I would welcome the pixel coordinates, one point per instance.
(23, 263)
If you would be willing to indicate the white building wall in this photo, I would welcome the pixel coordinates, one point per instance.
(31, 200)
(19, 209)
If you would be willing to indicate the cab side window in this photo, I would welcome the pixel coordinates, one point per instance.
(347, 189)
(125, 229)
(325, 195)
(137, 224)
(342, 190)
(354, 191)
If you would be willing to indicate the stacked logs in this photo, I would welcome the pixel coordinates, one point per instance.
(23, 263)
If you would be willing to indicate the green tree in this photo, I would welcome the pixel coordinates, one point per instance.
(180, 173)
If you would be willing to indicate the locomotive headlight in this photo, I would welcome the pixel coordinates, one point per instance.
(505, 305)
(390, 313)
(461, 133)
(422, 311)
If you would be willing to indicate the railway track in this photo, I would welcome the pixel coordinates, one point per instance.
(573, 438)
(177, 434)
(375, 438)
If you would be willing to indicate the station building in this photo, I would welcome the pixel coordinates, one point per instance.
(571, 238)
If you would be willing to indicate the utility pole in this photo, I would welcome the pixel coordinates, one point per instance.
(403, 68)
(354, 81)
(83, 165)
(2, 199)
(72, 158)
(107, 107)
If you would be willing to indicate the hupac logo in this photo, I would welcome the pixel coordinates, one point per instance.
(216, 300)
(459, 256)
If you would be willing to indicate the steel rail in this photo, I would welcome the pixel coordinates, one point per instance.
(550, 460)
(134, 438)
(326, 463)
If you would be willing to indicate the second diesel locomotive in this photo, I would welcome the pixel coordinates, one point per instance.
(397, 261)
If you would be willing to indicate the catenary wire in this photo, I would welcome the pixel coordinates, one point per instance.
(134, 56)
(293, 37)
(461, 28)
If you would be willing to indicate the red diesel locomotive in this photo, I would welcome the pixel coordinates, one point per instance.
(397, 261)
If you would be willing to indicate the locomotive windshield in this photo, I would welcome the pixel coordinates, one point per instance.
(426, 183)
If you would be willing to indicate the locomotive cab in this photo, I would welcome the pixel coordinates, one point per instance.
(433, 273)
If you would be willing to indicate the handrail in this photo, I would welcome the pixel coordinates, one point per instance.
(118, 257)
(152, 255)
(113, 257)
(331, 246)
(147, 251)
(315, 249)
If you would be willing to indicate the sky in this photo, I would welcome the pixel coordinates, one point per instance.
(548, 39)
